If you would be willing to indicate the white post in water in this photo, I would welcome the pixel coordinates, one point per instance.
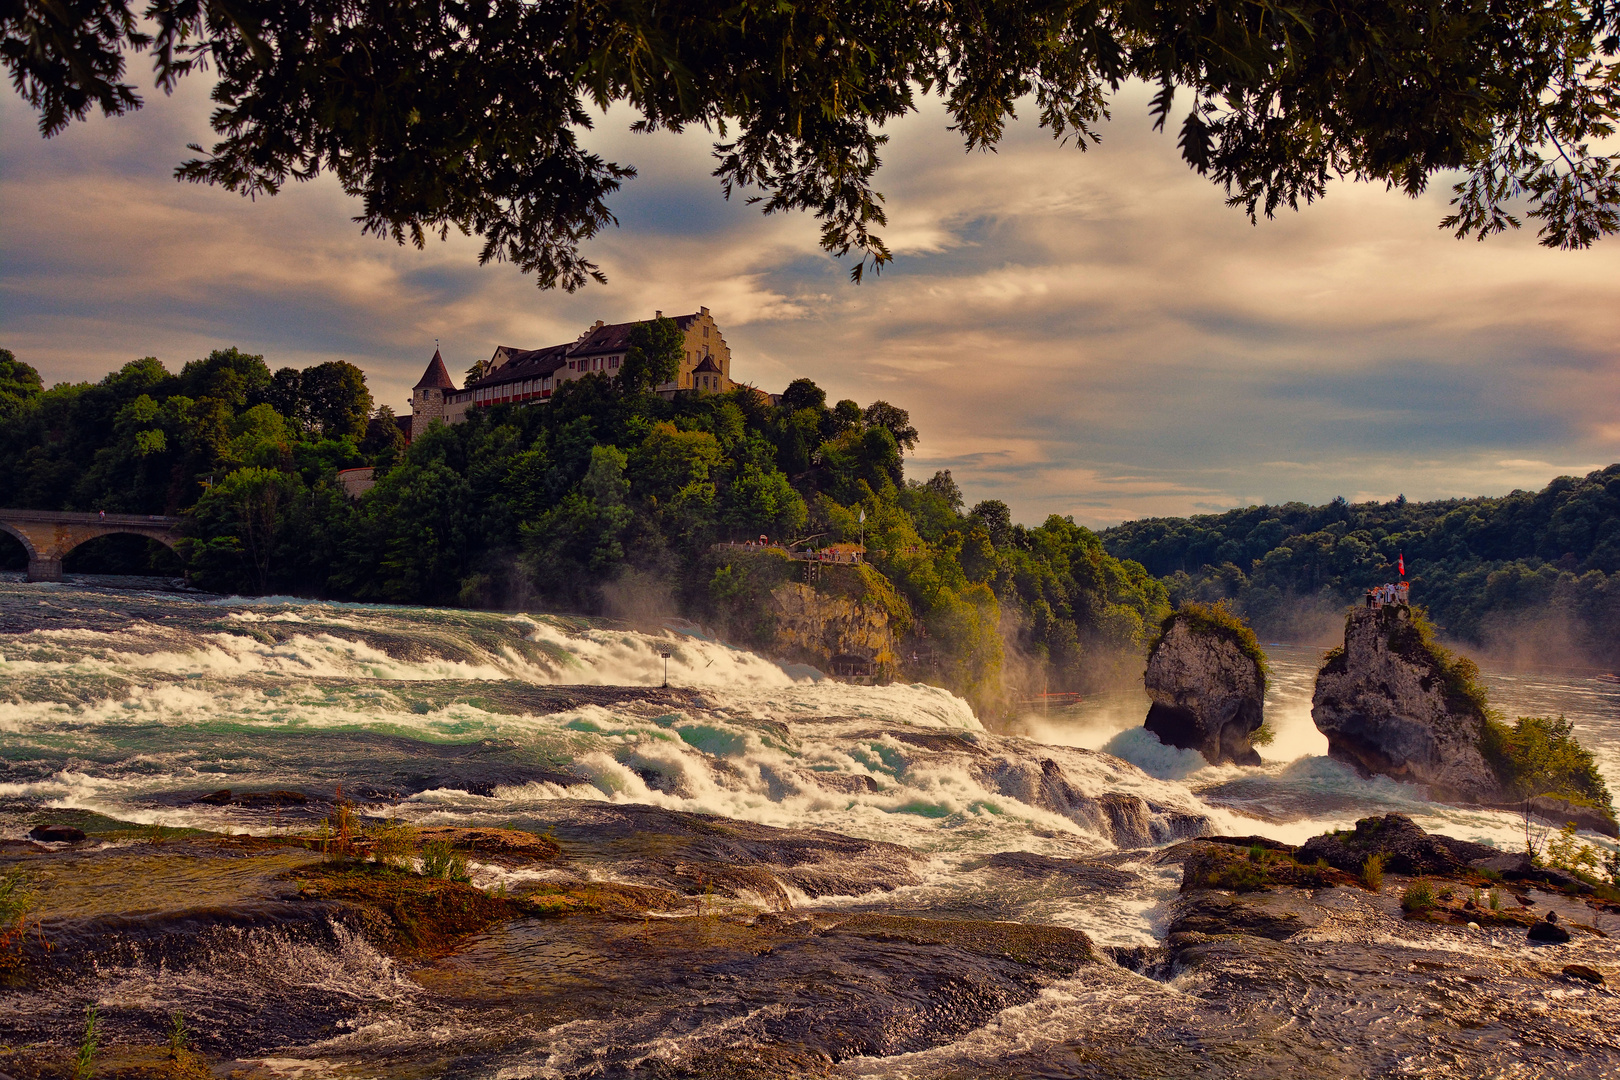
(665, 653)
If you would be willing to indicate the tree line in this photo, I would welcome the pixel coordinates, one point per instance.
(606, 488)
(1490, 570)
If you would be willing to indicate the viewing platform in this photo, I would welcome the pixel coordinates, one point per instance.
(832, 553)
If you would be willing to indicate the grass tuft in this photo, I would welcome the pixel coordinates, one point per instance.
(393, 844)
(440, 860)
(84, 1062)
(1418, 897)
(1372, 872)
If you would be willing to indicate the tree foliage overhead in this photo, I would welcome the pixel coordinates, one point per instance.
(467, 114)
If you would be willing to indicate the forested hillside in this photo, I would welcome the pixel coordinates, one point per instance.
(1531, 572)
(604, 499)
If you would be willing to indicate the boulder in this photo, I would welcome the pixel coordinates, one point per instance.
(1383, 702)
(1208, 693)
(57, 834)
(1584, 973)
(1406, 848)
(1548, 932)
(1517, 866)
(259, 799)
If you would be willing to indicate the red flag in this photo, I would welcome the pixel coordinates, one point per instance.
(1400, 564)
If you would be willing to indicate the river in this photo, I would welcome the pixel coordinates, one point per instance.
(129, 706)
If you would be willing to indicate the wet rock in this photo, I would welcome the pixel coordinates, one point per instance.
(697, 853)
(1150, 961)
(1127, 820)
(837, 985)
(1207, 864)
(1548, 932)
(1587, 974)
(57, 834)
(1076, 871)
(1208, 694)
(261, 799)
(1406, 848)
(1517, 866)
(1383, 703)
(221, 797)
(510, 846)
(1275, 916)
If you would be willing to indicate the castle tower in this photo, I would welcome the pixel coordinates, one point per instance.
(427, 396)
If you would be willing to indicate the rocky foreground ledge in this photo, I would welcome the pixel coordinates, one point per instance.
(635, 941)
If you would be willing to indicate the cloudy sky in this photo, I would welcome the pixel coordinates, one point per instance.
(1093, 334)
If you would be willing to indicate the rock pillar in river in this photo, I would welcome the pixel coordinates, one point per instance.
(1390, 703)
(1208, 686)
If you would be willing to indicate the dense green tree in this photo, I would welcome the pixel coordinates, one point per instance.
(336, 400)
(894, 420)
(384, 440)
(19, 383)
(240, 524)
(285, 394)
(803, 394)
(470, 116)
(1488, 569)
(654, 355)
(229, 376)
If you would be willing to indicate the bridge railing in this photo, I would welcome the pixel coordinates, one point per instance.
(80, 517)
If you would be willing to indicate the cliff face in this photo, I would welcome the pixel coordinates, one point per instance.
(1384, 705)
(1208, 695)
(812, 627)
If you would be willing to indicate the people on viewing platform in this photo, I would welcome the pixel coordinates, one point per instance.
(1399, 593)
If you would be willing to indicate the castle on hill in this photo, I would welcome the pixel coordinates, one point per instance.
(533, 375)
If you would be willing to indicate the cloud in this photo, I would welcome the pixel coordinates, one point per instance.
(1089, 333)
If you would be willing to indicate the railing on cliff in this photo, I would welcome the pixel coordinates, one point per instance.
(846, 556)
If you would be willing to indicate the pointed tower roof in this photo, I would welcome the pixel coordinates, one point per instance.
(436, 377)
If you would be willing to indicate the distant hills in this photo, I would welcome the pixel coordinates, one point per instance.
(1530, 575)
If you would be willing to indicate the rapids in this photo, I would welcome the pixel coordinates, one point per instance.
(129, 707)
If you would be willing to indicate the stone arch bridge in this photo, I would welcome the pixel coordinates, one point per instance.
(48, 535)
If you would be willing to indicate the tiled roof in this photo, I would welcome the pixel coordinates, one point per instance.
(537, 363)
(523, 364)
(435, 377)
(707, 367)
(615, 337)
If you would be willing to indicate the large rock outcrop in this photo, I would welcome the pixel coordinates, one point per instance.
(1208, 689)
(1389, 705)
(816, 627)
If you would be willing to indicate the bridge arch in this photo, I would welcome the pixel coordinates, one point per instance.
(48, 535)
(22, 538)
(123, 551)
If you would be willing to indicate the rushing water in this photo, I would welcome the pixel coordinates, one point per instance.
(131, 705)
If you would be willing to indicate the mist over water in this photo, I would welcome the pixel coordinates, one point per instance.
(1299, 792)
(132, 705)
